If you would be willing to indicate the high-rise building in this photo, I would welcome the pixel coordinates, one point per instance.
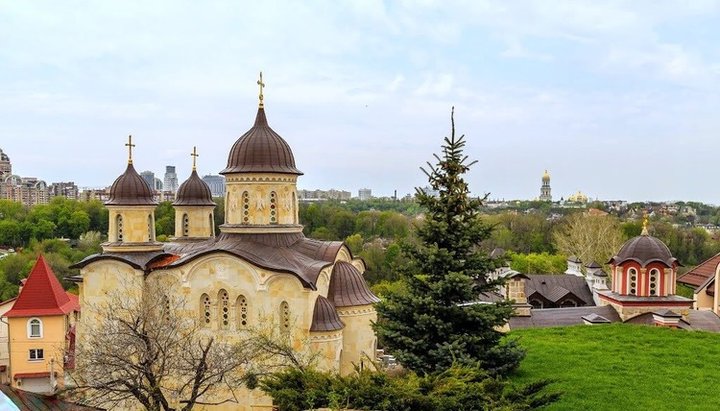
(26, 190)
(171, 180)
(5, 166)
(545, 188)
(216, 184)
(149, 178)
(158, 184)
(365, 194)
(64, 189)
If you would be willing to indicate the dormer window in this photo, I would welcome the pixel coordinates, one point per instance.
(34, 328)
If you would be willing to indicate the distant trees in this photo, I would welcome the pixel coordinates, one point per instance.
(588, 237)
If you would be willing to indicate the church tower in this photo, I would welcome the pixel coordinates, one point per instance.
(545, 188)
(194, 218)
(261, 181)
(131, 210)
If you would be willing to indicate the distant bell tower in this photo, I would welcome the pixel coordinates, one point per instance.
(545, 188)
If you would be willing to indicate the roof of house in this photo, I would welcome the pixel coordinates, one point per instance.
(42, 294)
(701, 273)
(554, 287)
(28, 401)
(556, 317)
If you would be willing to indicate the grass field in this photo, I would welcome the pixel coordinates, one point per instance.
(624, 367)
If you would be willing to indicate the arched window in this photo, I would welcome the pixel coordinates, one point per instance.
(294, 201)
(34, 328)
(151, 230)
(212, 225)
(284, 317)
(119, 227)
(242, 311)
(632, 276)
(224, 309)
(246, 207)
(654, 275)
(205, 314)
(186, 225)
(273, 208)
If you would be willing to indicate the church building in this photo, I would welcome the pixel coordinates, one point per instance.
(259, 269)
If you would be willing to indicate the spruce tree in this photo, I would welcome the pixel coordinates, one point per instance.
(435, 322)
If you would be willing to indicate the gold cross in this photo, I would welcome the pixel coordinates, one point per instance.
(130, 146)
(261, 84)
(194, 155)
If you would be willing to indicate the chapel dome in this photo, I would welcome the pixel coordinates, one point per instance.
(644, 249)
(325, 316)
(261, 150)
(130, 190)
(194, 192)
(348, 287)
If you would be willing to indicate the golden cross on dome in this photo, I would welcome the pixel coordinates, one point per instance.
(194, 155)
(645, 224)
(261, 84)
(130, 146)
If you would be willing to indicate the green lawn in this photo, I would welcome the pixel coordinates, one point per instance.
(624, 367)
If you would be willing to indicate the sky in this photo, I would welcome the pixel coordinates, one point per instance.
(619, 99)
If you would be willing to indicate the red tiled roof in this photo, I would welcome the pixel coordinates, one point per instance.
(698, 275)
(42, 294)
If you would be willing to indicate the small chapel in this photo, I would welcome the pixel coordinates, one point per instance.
(259, 269)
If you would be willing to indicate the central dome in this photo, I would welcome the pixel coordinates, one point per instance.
(130, 189)
(261, 150)
(644, 249)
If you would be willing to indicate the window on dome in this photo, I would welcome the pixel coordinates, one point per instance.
(633, 281)
(293, 205)
(35, 328)
(212, 225)
(119, 228)
(205, 313)
(151, 231)
(224, 309)
(186, 225)
(654, 275)
(242, 311)
(284, 317)
(273, 208)
(246, 207)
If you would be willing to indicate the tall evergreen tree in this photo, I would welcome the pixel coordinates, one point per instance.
(435, 323)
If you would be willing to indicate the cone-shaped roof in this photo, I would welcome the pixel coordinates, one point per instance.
(194, 192)
(325, 316)
(130, 189)
(348, 287)
(42, 294)
(261, 150)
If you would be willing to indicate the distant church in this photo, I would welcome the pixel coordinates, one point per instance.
(260, 268)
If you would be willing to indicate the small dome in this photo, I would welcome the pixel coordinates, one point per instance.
(546, 177)
(3, 156)
(261, 150)
(325, 316)
(130, 189)
(348, 287)
(644, 249)
(194, 192)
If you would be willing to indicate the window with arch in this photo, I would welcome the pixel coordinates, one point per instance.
(119, 227)
(273, 208)
(224, 309)
(284, 317)
(212, 224)
(294, 201)
(632, 277)
(205, 310)
(34, 328)
(654, 275)
(151, 231)
(246, 207)
(185, 225)
(242, 311)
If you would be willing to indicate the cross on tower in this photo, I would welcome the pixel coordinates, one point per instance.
(261, 84)
(130, 146)
(194, 155)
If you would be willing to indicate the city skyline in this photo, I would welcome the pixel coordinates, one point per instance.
(613, 99)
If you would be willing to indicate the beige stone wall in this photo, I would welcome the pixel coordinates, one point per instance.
(257, 207)
(359, 340)
(138, 224)
(703, 301)
(200, 222)
(627, 313)
(328, 348)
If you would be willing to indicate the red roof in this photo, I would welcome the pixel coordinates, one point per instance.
(698, 275)
(42, 294)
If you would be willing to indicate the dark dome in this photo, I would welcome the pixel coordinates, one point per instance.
(348, 287)
(325, 316)
(130, 189)
(194, 192)
(261, 150)
(3, 156)
(644, 249)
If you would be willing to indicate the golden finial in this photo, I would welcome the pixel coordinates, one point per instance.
(261, 84)
(130, 146)
(194, 155)
(645, 224)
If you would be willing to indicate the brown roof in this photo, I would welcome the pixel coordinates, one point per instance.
(701, 273)
(26, 400)
(556, 317)
(194, 192)
(644, 249)
(325, 316)
(348, 287)
(261, 150)
(137, 260)
(130, 189)
(554, 287)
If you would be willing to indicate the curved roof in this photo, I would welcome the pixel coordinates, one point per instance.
(3, 156)
(261, 150)
(194, 192)
(130, 189)
(325, 316)
(348, 287)
(644, 249)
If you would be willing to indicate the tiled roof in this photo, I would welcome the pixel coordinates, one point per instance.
(556, 317)
(29, 401)
(701, 273)
(553, 287)
(42, 294)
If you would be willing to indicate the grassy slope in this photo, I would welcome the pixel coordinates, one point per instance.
(624, 367)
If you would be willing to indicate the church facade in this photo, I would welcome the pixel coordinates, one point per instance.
(258, 270)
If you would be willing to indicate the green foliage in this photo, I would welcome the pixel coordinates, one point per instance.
(456, 389)
(534, 263)
(429, 328)
(521, 233)
(165, 219)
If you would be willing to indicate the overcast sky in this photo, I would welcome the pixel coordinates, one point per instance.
(618, 99)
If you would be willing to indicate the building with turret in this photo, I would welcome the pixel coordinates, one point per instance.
(545, 194)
